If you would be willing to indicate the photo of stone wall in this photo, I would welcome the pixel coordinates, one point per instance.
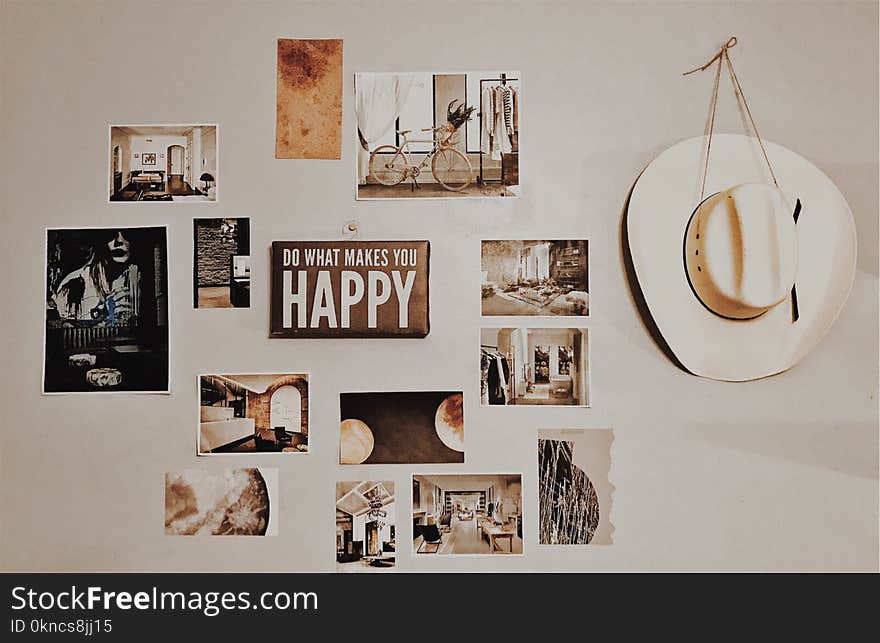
(221, 263)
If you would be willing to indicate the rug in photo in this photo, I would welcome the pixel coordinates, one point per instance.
(575, 494)
(106, 310)
(228, 502)
(467, 514)
(253, 413)
(437, 134)
(401, 427)
(534, 366)
(221, 263)
(535, 277)
(365, 526)
(163, 163)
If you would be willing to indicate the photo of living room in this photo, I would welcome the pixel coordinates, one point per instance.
(221, 263)
(538, 277)
(253, 413)
(534, 366)
(365, 526)
(437, 135)
(161, 163)
(467, 514)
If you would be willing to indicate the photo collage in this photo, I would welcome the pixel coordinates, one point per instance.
(418, 135)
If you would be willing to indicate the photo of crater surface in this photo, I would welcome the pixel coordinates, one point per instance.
(232, 502)
(308, 117)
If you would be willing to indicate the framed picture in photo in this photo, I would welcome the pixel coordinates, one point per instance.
(148, 158)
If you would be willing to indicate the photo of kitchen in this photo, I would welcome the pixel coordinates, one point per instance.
(534, 366)
(365, 526)
(467, 514)
(253, 413)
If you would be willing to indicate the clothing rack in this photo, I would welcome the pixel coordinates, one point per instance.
(503, 80)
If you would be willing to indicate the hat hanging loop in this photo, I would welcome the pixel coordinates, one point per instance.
(723, 56)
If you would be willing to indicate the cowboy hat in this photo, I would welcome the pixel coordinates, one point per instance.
(743, 283)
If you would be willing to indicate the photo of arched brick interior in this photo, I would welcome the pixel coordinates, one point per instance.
(249, 413)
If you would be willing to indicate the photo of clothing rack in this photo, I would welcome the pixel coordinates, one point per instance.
(509, 114)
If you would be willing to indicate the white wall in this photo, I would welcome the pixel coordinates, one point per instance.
(157, 144)
(775, 474)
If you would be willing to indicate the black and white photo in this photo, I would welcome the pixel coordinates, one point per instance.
(163, 163)
(535, 278)
(253, 413)
(106, 326)
(534, 366)
(460, 514)
(225, 502)
(438, 134)
(221, 263)
(366, 529)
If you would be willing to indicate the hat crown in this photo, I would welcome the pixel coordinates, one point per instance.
(741, 250)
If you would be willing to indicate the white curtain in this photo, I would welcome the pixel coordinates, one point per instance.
(378, 102)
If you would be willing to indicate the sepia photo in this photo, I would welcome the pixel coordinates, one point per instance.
(467, 514)
(106, 325)
(253, 413)
(401, 427)
(437, 135)
(222, 263)
(163, 163)
(534, 366)
(535, 278)
(226, 502)
(366, 531)
(574, 491)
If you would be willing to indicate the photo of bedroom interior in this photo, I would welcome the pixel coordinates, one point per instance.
(163, 163)
(534, 366)
(253, 413)
(365, 526)
(467, 514)
(545, 278)
(395, 110)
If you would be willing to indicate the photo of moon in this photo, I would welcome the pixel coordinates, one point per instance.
(449, 422)
(355, 442)
(401, 427)
(232, 502)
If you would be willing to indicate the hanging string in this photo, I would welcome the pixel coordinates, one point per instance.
(724, 57)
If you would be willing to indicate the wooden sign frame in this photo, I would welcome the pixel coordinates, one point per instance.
(352, 289)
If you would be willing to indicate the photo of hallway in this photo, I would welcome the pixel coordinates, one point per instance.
(534, 366)
(156, 163)
(467, 514)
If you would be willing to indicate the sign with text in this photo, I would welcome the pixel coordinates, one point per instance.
(350, 289)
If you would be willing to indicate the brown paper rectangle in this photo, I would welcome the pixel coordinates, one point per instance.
(387, 263)
(308, 117)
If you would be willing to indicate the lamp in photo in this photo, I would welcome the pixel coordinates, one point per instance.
(206, 178)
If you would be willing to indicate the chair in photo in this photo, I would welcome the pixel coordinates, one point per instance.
(432, 538)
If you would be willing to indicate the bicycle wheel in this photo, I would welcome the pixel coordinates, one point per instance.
(452, 169)
(388, 165)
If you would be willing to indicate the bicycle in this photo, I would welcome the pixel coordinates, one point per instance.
(391, 164)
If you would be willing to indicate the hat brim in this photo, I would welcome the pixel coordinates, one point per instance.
(660, 206)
